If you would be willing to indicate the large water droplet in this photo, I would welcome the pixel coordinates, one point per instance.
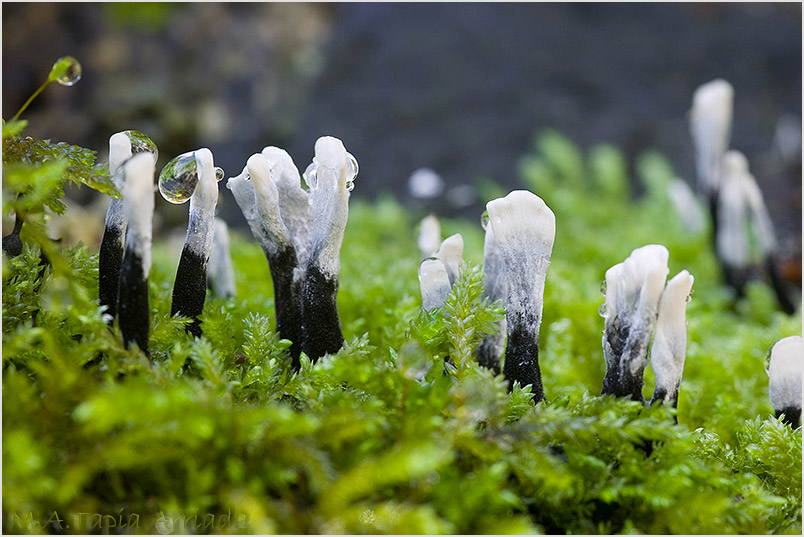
(73, 72)
(352, 169)
(603, 288)
(602, 310)
(484, 220)
(219, 174)
(178, 178)
(141, 143)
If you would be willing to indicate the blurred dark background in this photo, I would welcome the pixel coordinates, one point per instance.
(459, 88)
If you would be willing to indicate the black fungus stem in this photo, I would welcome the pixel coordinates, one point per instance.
(321, 325)
(287, 300)
(132, 304)
(12, 244)
(790, 416)
(110, 258)
(487, 354)
(522, 354)
(189, 289)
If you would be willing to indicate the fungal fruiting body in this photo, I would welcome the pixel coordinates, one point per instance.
(330, 178)
(429, 236)
(710, 126)
(450, 253)
(122, 145)
(491, 348)
(633, 289)
(740, 205)
(437, 274)
(669, 348)
(257, 192)
(12, 243)
(731, 241)
(138, 208)
(294, 204)
(194, 175)
(434, 283)
(220, 272)
(686, 205)
(523, 229)
(785, 375)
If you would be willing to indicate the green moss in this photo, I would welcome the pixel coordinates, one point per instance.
(377, 438)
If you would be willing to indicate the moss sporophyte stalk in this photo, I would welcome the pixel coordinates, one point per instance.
(341, 395)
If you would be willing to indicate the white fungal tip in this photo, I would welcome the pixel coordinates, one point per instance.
(522, 214)
(330, 152)
(637, 282)
(283, 169)
(734, 162)
(785, 372)
(714, 96)
(434, 283)
(138, 203)
(257, 164)
(205, 196)
(119, 151)
(267, 201)
(710, 126)
(429, 235)
(267, 195)
(330, 178)
(670, 339)
(450, 253)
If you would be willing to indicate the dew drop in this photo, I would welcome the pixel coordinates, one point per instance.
(767, 361)
(350, 185)
(352, 168)
(178, 178)
(248, 176)
(73, 72)
(311, 175)
(219, 173)
(689, 298)
(141, 143)
(603, 288)
(484, 220)
(602, 310)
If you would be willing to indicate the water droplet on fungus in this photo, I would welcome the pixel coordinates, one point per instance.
(352, 168)
(178, 178)
(141, 143)
(311, 175)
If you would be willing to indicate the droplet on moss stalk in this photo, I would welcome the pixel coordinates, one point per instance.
(66, 71)
(178, 178)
